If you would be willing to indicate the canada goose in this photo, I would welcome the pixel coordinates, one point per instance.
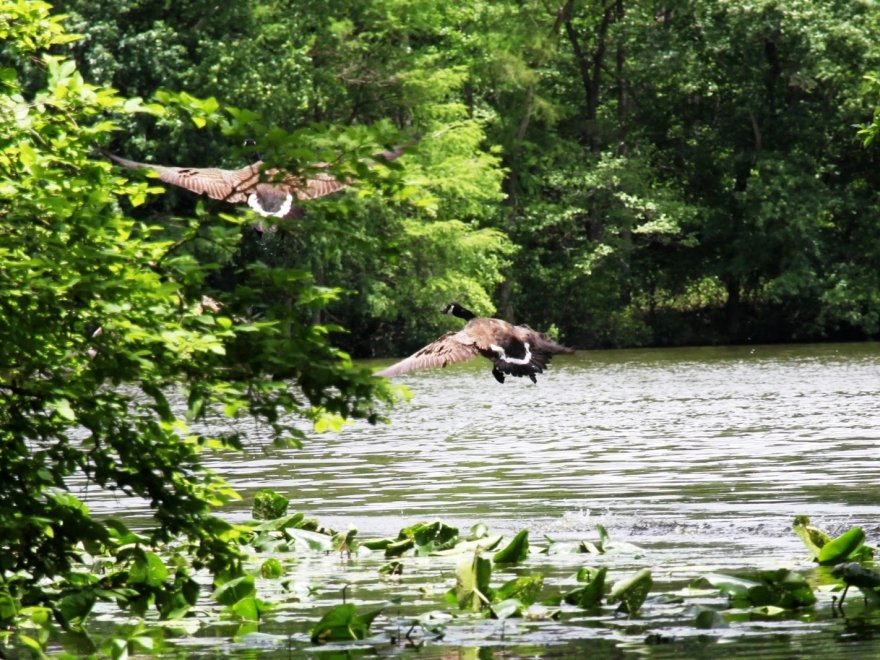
(516, 350)
(269, 192)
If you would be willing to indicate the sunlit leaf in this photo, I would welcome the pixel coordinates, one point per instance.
(148, 569)
(632, 592)
(269, 504)
(841, 548)
(308, 540)
(271, 568)
(812, 537)
(229, 593)
(471, 590)
(515, 551)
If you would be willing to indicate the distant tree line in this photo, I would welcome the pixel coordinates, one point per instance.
(625, 172)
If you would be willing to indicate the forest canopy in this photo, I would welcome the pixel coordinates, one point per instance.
(628, 173)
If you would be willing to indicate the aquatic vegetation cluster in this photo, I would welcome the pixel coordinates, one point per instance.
(158, 589)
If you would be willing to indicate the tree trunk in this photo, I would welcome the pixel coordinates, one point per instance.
(590, 65)
(622, 88)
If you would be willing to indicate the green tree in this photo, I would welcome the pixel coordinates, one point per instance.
(750, 105)
(351, 67)
(111, 357)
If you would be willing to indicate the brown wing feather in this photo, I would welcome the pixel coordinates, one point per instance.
(227, 185)
(315, 186)
(234, 186)
(451, 347)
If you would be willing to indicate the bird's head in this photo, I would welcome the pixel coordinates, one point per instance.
(456, 309)
(250, 145)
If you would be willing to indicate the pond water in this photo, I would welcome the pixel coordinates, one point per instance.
(702, 457)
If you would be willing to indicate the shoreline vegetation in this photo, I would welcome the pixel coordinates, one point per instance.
(614, 173)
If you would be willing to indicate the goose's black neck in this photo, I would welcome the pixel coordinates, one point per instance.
(255, 155)
(457, 310)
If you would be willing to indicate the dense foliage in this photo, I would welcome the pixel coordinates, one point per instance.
(113, 357)
(623, 172)
(669, 173)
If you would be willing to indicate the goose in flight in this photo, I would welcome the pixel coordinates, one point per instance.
(515, 350)
(269, 192)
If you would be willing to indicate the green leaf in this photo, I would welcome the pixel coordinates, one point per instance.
(734, 587)
(526, 589)
(507, 608)
(839, 549)
(811, 537)
(377, 544)
(515, 551)
(471, 590)
(706, 618)
(63, 408)
(343, 623)
(309, 540)
(249, 608)
(269, 504)
(632, 592)
(29, 642)
(590, 595)
(271, 568)
(229, 593)
(75, 607)
(8, 607)
(148, 569)
(782, 588)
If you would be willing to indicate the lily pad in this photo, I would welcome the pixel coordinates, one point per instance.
(632, 592)
(780, 588)
(515, 551)
(229, 593)
(511, 607)
(526, 589)
(343, 623)
(841, 548)
(472, 591)
(590, 595)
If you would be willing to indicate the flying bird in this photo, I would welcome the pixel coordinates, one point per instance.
(515, 350)
(268, 191)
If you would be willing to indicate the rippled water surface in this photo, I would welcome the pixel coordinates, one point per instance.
(701, 456)
(717, 438)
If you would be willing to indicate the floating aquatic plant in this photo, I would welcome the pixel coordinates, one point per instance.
(776, 588)
(631, 592)
(849, 546)
(515, 551)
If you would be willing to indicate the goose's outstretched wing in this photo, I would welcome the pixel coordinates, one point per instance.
(228, 185)
(451, 347)
(264, 190)
(269, 191)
